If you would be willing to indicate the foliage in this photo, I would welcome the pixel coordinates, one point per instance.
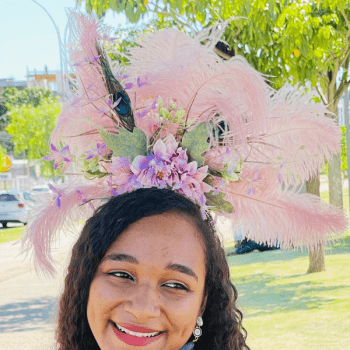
(284, 39)
(344, 164)
(2, 157)
(126, 144)
(12, 97)
(11, 234)
(29, 96)
(195, 142)
(31, 126)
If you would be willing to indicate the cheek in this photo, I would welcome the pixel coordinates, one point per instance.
(100, 299)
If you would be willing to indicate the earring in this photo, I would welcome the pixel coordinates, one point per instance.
(197, 332)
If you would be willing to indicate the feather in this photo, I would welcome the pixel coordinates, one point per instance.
(181, 68)
(48, 218)
(90, 93)
(299, 137)
(289, 218)
(123, 109)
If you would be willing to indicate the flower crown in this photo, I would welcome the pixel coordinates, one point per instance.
(179, 117)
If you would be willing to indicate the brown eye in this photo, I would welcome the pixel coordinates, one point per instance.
(121, 274)
(174, 285)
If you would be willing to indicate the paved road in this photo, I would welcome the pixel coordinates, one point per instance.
(28, 303)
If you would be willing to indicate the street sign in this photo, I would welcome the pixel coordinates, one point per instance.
(5, 176)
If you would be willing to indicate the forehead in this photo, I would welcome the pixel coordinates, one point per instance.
(168, 237)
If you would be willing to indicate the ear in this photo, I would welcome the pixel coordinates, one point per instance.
(203, 305)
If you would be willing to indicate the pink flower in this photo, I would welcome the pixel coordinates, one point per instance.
(191, 183)
(60, 156)
(123, 177)
(166, 167)
(96, 152)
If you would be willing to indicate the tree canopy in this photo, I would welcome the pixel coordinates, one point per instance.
(31, 124)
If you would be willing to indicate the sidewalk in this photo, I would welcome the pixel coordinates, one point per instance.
(28, 303)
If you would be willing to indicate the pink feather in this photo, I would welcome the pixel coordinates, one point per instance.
(299, 136)
(181, 68)
(91, 95)
(47, 220)
(292, 219)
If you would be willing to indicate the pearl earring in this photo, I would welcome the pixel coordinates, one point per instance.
(197, 332)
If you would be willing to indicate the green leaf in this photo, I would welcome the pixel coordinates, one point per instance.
(196, 143)
(216, 202)
(125, 144)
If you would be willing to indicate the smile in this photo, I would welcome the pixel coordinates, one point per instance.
(135, 338)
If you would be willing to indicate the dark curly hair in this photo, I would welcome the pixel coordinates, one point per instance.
(222, 329)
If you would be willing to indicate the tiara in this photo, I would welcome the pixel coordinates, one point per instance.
(180, 117)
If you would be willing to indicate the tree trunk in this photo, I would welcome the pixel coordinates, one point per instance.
(316, 259)
(335, 181)
(334, 165)
(316, 256)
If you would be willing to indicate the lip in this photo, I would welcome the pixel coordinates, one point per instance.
(132, 340)
(137, 328)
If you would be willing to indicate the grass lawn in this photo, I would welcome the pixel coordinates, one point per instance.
(10, 234)
(286, 309)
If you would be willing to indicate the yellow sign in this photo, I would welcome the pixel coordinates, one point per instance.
(7, 166)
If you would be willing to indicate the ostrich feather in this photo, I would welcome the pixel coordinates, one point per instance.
(47, 219)
(181, 68)
(90, 93)
(299, 137)
(292, 219)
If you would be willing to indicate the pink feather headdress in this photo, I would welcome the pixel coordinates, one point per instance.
(179, 117)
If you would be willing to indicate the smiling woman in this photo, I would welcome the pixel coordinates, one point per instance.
(149, 272)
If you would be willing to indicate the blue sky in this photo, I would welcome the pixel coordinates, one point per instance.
(28, 37)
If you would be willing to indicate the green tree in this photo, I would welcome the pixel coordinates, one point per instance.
(11, 98)
(31, 126)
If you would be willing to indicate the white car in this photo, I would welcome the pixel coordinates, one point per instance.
(14, 206)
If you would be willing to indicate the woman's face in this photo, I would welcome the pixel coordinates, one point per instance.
(149, 288)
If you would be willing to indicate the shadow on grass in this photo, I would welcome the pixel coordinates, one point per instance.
(341, 246)
(264, 297)
(267, 256)
(27, 316)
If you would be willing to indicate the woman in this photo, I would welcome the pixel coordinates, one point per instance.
(148, 259)
(164, 141)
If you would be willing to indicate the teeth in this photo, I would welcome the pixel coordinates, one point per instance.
(136, 334)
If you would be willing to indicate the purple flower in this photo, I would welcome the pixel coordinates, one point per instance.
(111, 186)
(76, 101)
(96, 58)
(57, 195)
(84, 200)
(143, 113)
(96, 152)
(128, 86)
(117, 76)
(140, 83)
(279, 175)
(108, 38)
(59, 156)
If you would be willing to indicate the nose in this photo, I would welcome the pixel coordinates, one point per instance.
(143, 303)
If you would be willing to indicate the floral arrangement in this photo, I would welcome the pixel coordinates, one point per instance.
(180, 118)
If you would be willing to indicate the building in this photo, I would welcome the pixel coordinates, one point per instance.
(10, 82)
(45, 78)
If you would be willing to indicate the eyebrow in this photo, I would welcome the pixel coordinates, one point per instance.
(129, 258)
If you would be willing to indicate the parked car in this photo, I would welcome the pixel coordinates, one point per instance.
(41, 189)
(14, 206)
